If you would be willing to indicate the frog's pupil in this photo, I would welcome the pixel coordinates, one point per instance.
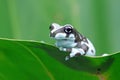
(68, 29)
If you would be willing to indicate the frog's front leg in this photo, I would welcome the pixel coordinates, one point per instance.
(75, 52)
(65, 49)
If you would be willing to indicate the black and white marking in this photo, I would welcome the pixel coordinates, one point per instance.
(70, 40)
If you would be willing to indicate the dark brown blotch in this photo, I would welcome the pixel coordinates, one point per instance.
(69, 49)
(83, 46)
(77, 54)
(92, 51)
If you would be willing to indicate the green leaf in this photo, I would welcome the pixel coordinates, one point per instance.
(99, 20)
(31, 60)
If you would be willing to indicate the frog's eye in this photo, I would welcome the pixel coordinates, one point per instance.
(68, 29)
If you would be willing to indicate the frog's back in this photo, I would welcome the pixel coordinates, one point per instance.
(85, 44)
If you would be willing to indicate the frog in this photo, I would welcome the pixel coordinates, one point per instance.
(68, 39)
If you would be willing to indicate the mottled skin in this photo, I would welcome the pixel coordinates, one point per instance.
(70, 40)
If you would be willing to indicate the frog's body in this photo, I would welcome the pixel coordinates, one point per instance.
(70, 40)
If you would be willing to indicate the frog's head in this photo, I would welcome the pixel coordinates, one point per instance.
(66, 32)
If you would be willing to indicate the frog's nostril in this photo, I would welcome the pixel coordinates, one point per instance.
(51, 27)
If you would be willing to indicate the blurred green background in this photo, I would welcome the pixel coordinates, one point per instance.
(99, 20)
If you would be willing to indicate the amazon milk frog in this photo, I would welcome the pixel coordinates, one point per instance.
(70, 40)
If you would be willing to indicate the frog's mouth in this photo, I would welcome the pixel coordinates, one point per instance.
(63, 36)
(65, 39)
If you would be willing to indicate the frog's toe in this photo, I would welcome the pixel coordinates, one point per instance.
(105, 54)
(67, 58)
(62, 49)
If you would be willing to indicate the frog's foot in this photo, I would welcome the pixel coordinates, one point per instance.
(76, 52)
(105, 54)
(62, 49)
(67, 58)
